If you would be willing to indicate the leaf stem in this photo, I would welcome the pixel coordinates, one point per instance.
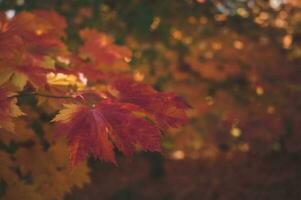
(41, 95)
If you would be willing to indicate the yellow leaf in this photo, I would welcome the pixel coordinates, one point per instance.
(61, 79)
(48, 63)
(50, 170)
(19, 80)
(15, 109)
(21, 134)
(66, 113)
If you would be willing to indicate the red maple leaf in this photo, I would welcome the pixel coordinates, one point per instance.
(99, 58)
(167, 109)
(96, 129)
(28, 47)
(101, 50)
(88, 69)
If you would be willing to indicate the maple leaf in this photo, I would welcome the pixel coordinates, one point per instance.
(50, 22)
(101, 50)
(99, 58)
(98, 128)
(28, 48)
(8, 110)
(90, 70)
(51, 168)
(167, 109)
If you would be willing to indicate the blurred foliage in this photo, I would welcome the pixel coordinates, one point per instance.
(35, 166)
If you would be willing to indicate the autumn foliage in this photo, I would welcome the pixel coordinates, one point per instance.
(84, 87)
(99, 105)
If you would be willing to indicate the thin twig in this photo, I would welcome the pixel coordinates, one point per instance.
(41, 95)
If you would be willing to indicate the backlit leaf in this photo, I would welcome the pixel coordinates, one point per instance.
(95, 129)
